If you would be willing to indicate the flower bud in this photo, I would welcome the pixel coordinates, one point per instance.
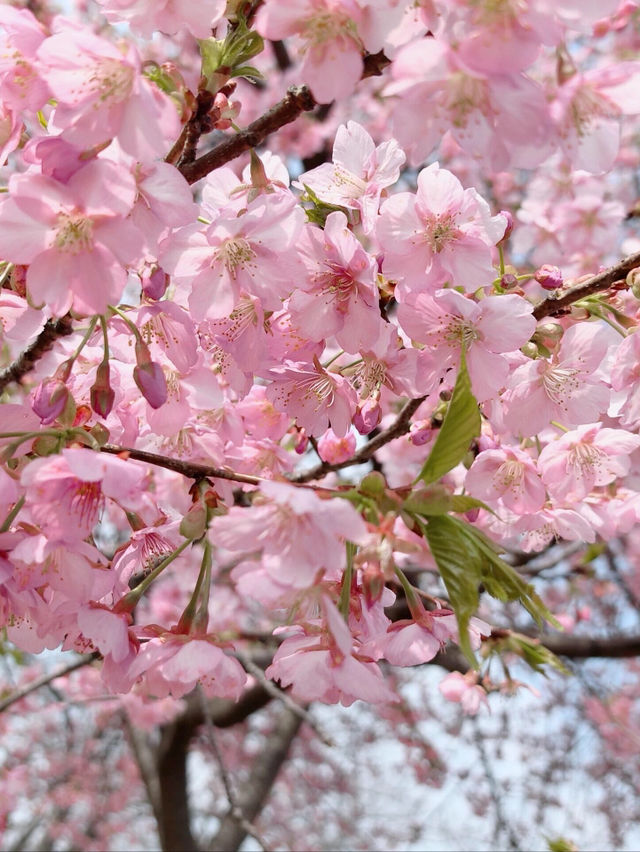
(194, 523)
(507, 231)
(50, 400)
(335, 450)
(633, 282)
(155, 283)
(302, 441)
(550, 330)
(420, 432)
(548, 277)
(150, 380)
(367, 416)
(101, 393)
(508, 281)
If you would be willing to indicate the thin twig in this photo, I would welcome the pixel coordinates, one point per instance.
(26, 361)
(279, 695)
(186, 468)
(45, 680)
(399, 427)
(235, 809)
(297, 100)
(554, 305)
(496, 794)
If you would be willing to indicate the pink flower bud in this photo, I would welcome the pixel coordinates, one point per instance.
(508, 281)
(367, 416)
(302, 441)
(101, 393)
(50, 400)
(420, 432)
(153, 386)
(509, 228)
(155, 284)
(549, 277)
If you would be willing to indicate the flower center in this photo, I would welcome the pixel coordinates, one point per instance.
(441, 230)
(85, 501)
(560, 383)
(510, 475)
(318, 29)
(112, 81)
(74, 234)
(584, 459)
(234, 254)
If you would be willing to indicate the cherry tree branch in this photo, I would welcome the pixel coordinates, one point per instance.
(186, 468)
(554, 305)
(297, 100)
(26, 361)
(399, 427)
(45, 680)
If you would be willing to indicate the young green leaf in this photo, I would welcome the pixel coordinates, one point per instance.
(461, 424)
(459, 563)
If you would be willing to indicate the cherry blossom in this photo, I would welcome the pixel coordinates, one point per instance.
(443, 233)
(359, 173)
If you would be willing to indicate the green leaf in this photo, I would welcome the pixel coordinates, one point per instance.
(501, 580)
(535, 654)
(459, 564)
(560, 844)
(438, 500)
(432, 500)
(466, 559)
(461, 424)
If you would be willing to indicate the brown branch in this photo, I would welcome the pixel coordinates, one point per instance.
(24, 363)
(175, 825)
(583, 647)
(186, 468)
(45, 680)
(297, 100)
(398, 428)
(554, 305)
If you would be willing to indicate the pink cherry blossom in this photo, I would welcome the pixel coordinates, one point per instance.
(335, 450)
(339, 296)
(75, 236)
(487, 329)
(65, 493)
(330, 44)
(253, 253)
(21, 85)
(442, 234)
(507, 474)
(171, 664)
(587, 111)
(465, 690)
(86, 72)
(323, 665)
(359, 173)
(585, 457)
(314, 397)
(306, 534)
(568, 388)
(168, 16)
(502, 118)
